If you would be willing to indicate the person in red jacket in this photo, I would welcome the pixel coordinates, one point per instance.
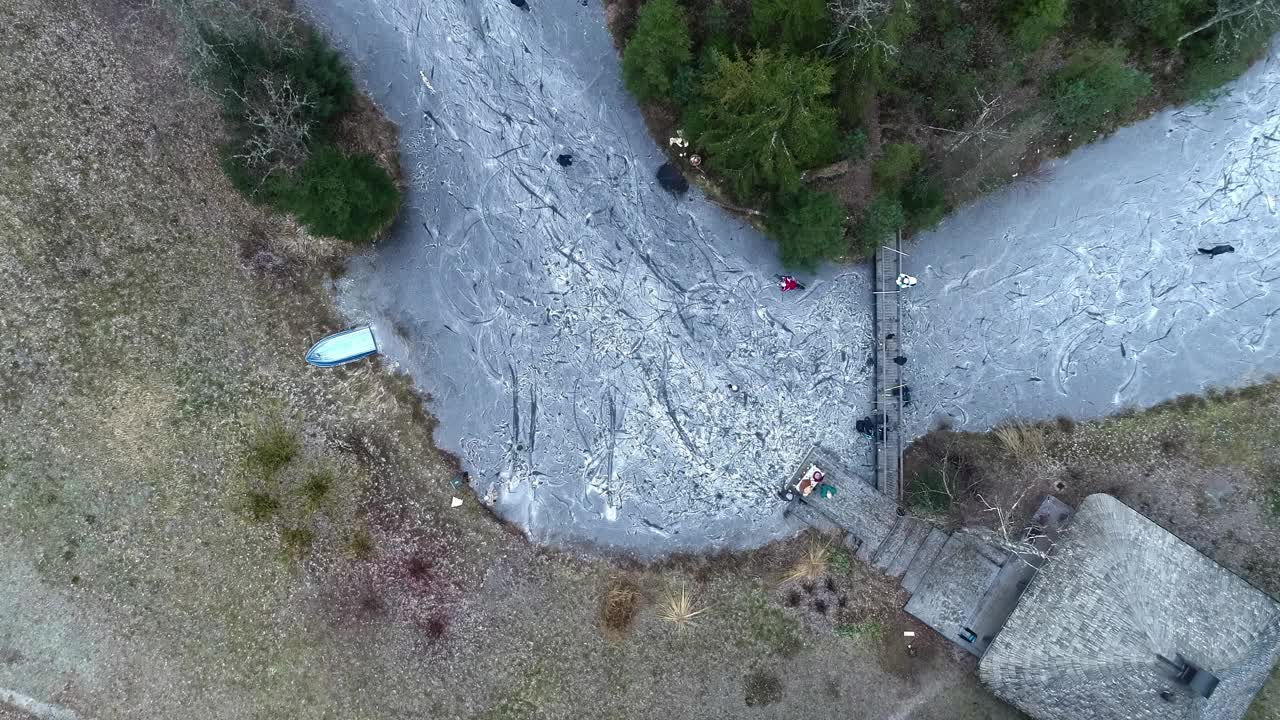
(786, 282)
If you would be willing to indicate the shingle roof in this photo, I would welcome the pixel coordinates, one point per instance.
(1117, 592)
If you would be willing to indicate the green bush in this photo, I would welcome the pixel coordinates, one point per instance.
(685, 86)
(660, 46)
(342, 196)
(763, 120)
(895, 166)
(1210, 66)
(303, 86)
(882, 218)
(719, 28)
(1096, 90)
(1156, 21)
(273, 448)
(868, 47)
(311, 66)
(261, 506)
(809, 229)
(1032, 22)
(317, 487)
(855, 146)
(924, 201)
(799, 25)
(928, 492)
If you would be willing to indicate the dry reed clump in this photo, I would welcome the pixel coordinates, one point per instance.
(810, 567)
(680, 608)
(1024, 443)
(618, 606)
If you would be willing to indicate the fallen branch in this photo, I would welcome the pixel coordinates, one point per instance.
(736, 208)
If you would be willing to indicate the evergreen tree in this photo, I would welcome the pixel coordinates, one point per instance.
(657, 51)
(765, 119)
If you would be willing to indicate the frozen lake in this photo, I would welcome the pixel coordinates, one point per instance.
(579, 330)
(1084, 292)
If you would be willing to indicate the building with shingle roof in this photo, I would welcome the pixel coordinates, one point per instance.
(1127, 622)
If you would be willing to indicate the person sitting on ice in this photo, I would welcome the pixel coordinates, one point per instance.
(786, 282)
(905, 281)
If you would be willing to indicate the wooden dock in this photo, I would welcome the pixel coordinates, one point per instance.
(888, 375)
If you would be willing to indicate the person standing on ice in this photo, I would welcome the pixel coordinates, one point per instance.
(786, 282)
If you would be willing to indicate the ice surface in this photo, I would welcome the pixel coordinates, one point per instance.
(578, 328)
(1083, 292)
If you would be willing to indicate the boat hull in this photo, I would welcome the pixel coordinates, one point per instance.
(344, 347)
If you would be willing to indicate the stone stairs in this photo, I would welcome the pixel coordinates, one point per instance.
(908, 552)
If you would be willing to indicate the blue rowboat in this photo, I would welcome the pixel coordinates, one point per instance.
(343, 347)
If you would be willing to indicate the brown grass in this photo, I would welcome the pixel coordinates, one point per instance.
(811, 566)
(618, 606)
(1024, 443)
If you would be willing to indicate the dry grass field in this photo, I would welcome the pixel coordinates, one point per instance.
(198, 525)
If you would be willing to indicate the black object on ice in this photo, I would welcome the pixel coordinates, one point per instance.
(671, 179)
(890, 336)
(1216, 250)
(900, 360)
(905, 392)
(522, 4)
(565, 160)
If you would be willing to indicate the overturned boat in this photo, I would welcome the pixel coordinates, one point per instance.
(344, 347)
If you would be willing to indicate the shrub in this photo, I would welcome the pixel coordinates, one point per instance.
(685, 86)
(658, 49)
(261, 506)
(310, 65)
(1031, 22)
(317, 487)
(361, 545)
(273, 448)
(855, 146)
(680, 608)
(1210, 66)
(1095, 90)
(895, 166)
(873, 42)
(811, 566)
(1153, 21)
(928, 491)
(799, 25)
(347, 197)
(297, 541)
(619, 605)
(882, 218)
(840, 562)
(810, 229)
(924, 201)
(280, 93)
(764, 119)
(719, 28)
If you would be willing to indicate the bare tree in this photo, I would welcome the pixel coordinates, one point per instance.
(983, 129)
(278, 131)
(859, 27)
(1237, 18)
(1027, 544)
